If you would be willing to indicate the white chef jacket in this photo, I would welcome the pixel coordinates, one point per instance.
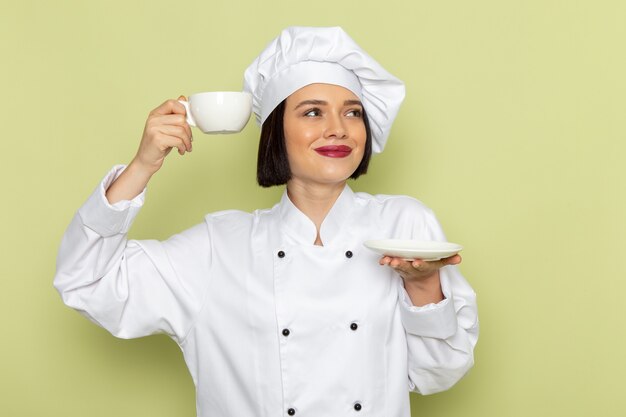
(270, 324)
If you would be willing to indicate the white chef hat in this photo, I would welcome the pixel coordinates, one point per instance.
(300, 56)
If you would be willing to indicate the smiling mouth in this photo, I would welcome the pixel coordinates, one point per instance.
(334, 151)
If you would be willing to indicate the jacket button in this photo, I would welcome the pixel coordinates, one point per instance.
(286, 332)
(281, 254)
(349, 254)
(354, 326)
(357, 407)
(291, 411)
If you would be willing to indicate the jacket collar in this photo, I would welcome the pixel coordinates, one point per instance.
(302, 229)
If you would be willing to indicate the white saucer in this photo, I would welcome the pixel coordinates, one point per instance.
(413, 249)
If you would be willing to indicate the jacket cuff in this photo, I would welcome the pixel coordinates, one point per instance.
(432, 320)
(110, 219)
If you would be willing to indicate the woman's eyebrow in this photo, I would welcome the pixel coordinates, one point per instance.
(323, 103)
(352, 102)
(307, 102)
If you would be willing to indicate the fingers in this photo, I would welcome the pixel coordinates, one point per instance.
(167, 143)
(169, 119)
(170, 106)
(183, 139)
(419, 264)
(166, 128)
(398, 264)
(185, 124)
(173, 119)
(174, 124)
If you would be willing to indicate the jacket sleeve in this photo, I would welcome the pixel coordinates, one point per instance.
(132, 288)
(440, 337)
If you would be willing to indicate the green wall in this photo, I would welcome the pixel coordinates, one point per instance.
(512, 131)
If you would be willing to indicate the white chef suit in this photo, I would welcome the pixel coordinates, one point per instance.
(270, 324)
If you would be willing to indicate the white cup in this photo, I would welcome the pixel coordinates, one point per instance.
(219, 111)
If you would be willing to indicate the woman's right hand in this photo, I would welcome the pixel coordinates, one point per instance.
(165, 129)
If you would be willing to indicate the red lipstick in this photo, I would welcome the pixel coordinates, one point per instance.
(334, 151)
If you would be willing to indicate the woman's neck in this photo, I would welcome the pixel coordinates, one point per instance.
(314, 200)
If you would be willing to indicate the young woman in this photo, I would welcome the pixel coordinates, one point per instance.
(283, 311)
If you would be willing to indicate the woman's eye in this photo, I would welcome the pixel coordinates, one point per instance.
(355, 113)
(312, 113)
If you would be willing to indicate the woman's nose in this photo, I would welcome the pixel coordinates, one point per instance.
(335, 128)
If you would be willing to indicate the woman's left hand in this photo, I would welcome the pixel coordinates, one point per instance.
(421, 278)
(418, 270)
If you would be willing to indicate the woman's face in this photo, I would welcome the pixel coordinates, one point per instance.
(324, 133)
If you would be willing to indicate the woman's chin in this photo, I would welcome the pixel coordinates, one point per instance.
(332, 178)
